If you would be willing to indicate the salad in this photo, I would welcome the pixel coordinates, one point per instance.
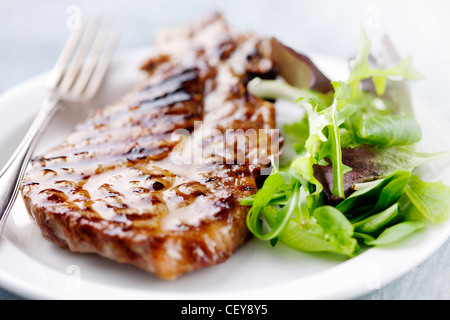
(352, 182)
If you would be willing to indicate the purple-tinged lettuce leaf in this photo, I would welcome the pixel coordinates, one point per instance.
(297, 69)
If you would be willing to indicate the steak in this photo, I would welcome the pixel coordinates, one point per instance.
(133, 182)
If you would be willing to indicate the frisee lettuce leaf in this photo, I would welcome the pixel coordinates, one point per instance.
(361, 69)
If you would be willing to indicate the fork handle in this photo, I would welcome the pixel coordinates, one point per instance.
(13, 172)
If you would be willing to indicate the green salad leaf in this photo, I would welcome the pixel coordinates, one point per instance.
(325, 230)
(431, 199)
(389, 131)
(351, 182)
(392, 235)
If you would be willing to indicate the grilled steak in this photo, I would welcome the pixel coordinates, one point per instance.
(123, 187)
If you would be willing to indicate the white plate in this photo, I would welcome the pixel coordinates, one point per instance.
(34, 268)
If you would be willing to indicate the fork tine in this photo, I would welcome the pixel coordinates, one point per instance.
(12, 174)
(103, 62)
(77, 61)
(65, 55)
(92, 59)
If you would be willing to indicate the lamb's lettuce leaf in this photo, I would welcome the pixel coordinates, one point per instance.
(389, 131)
(392, 234)
(326, 229)
(430, 199)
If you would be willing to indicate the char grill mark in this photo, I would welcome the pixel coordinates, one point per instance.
(113, 187)
(138, 134)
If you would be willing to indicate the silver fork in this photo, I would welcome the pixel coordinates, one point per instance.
(75, 79)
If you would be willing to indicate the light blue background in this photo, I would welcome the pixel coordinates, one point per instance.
(32, 33)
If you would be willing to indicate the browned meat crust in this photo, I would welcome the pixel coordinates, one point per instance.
(122, 187)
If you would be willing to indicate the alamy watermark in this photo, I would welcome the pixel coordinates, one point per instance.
(373, 17)
(73, 282)
(208, 145)
(74, 19)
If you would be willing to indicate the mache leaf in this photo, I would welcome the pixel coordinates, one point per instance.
(431, 199)
(394, 234)
(389, 131)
